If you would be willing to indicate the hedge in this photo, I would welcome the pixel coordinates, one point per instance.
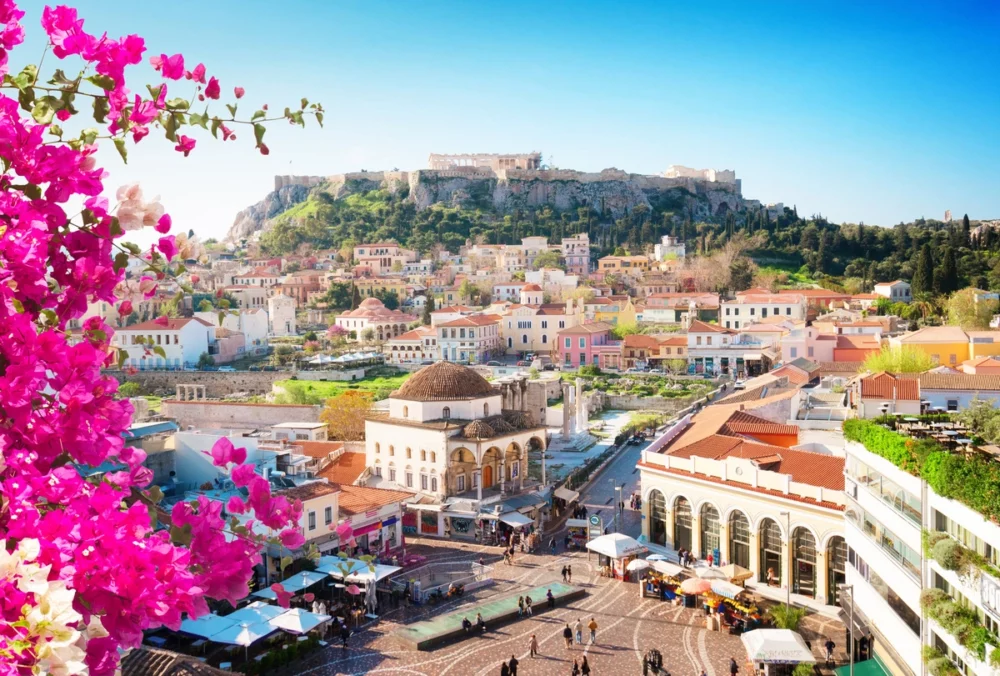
(974, 481)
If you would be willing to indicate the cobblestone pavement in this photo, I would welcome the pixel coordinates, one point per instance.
(628, 627)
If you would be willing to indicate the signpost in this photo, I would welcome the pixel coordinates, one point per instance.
(594, 529)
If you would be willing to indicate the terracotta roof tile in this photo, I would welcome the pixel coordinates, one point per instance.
(319, 449)
(345, 470)
(445, 381)
(164, 324)
(313, 489)
(887, 386)
(360, 499)
(698, 326)
(586, 329)
(742, 422)
(958, 381)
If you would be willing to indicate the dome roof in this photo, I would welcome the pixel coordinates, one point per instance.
(477, 429)
(445, 381)
(500, 426)
(372, 304)
(531, 287)
(522, 420)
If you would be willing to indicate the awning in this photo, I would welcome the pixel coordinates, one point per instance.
(667, 568)
(515, 519)
(255, 613)
(295, 583)
(616, 546)
(298, 621)
(726, 589)
(244, 634)
(751, 356)
(566, 494)
(777, 646)
(206, 625)
(577, 523)
(872, 667)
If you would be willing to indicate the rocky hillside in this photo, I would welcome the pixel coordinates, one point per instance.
(258, 216)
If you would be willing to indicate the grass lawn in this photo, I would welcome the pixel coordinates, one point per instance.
(795, 277)
(154, 403)
(317, 392)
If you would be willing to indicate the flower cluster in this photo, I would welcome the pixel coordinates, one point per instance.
(88, 564)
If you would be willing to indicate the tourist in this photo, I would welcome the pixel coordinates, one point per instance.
(576, 669)
(552, 545)
(520, 606)
(710, 559)
(578, 627)
(345, 634)
(829, 645)
(513, 665)
(533, 645)
(506, 557)
(585, 668)
(568, 636)
(527, 606)
(569, 574)
(480, 623)
(564, 573)
(466, 625)
(733, 667)
(771, 581)
(550, 598)
(592, 625)
(681, 559)
(504, 669)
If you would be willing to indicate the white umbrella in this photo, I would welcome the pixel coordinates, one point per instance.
(776, 646)
(637, 565)
(298, 621)
(708, 573)
(243, 633)
(616, 546)
(656, 557)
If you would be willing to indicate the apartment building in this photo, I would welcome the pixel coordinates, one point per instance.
(166, 343)
(748, 308)
(472, 340)
(576, 253)
(534, 328)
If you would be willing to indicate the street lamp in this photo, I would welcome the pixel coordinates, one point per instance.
(618, 501)
(850, 625)
(788, 538)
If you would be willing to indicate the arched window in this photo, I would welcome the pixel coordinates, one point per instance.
(657, 518)
(406, 411)
(392, 450)
(803, 562)
(486, 410)
(446, 412)
(434, 484)
(510, 342)
(836, 567)
(409, 453)
(682, 524)
(434, 456)
(545, 338)
(378, 449)
(710, 530)
(770, 550)
(739, 539)
(524, 339)
(423, 455)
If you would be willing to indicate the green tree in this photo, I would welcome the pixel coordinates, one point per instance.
(548, 259)
(905, 359)
(946, 274)
(205, 359)
(923, 274)
(741, 273)
(428, 309)
(338, 296)
(127, 390)
(389, 298)
(368, 335)
(971, 314)
(205, 306)
(355, 297)
(283, 354)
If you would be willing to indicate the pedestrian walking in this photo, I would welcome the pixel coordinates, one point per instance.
(829, 645)
(512, 665)
(703, 673)
(576, 669)
(527, 606)
(520, 606)
(733, 667)
(564, 573)
(345, 634)
(568, 636)
(550, 599)
(533, 644)
(569, 574)
(504, 669)
(552, 545)
(710, 559)
(592, 626)
(578, 628)
(585, 668)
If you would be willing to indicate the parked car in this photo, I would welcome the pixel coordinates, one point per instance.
(269, 368)
(227, 369)
(549, 367)
(493, 363)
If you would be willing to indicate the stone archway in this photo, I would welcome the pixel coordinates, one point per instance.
(461, 467)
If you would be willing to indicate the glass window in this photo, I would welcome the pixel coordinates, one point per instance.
(423, 482)
(312, 520)
(327, 516)
(409, 479)
(446, 412)
(392, 475)
(434, 484)
(583, 342)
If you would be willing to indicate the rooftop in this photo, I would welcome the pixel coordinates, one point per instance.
(958, 381)
(311, 490)
(888, 386)
(164, 324)
(445, 381)
(361, 499)
(345, 470)
(586, 329)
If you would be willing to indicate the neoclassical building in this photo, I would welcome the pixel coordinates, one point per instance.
(761, 506)
(373, 314)
(448, 436)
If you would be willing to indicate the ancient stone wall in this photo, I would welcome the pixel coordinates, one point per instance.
(308, 181)
(217, 383)
(235, 415)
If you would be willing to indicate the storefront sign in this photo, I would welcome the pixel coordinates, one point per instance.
(596, 527)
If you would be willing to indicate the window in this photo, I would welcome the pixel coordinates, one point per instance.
(406, 413)
(409, 453)
(486, 410)
(708, 340)
(423, 482)
(810, 351)
(392, 450)
(327, 516)
(583, 343)
(475, 479)
(524, 339)
(753, 311)
(727, 323)
(794, 351)
(936, 358)
(562, 324)
(545, 324)
(409, 479)
(545, 338)
(953, 358)
(392, 475)
(460, 483)
(446, 412)
(312, 520)
(697, 340)
(569, 359)
(953, 404)
(434, 456)
(434, 484)
(378, 471)
(569, 342)
(727, 312)
(377, 448)
(788, 310)
(423, 455)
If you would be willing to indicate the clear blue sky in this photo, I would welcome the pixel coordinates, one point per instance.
(859, 111)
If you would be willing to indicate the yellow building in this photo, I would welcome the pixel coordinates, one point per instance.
(369, 287)
(984, 344)
(626, 264)
(613, 310)
(948, 345)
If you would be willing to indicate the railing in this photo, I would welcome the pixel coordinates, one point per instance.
(890, 544)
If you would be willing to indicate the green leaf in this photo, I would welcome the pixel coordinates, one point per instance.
(121, 261)
(155, 494)
(60, 80)
(170, 127)
(101, 109)
(159, 351)
(178, 104)
(319, 118)
(120, 147)
(305, 102)
(51, 318)
(26, 97)
(200, 120)
(27, 77)
(18, 305)
(258, 132)
(181, 536)
(216, 123)
(29, 189)
(55, 130)
(88, 135)
(45, 109)
(232, 109)
(260, 114)
(132, 248)
(122, 357)
(105, 82)
(286, 561)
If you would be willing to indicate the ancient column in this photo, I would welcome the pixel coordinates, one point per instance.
(566, 411)
(581, 406)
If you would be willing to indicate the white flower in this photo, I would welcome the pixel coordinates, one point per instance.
(128, 192)
(130, 215)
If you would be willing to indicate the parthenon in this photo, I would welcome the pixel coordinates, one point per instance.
(492, 161)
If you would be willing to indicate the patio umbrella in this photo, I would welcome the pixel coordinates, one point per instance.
(371, 599)
(694, 585)
(353, 589)
(709, 573)
(637, 565)
(736, 573)
(656, 557)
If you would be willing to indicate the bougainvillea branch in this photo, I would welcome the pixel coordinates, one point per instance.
(85, 564)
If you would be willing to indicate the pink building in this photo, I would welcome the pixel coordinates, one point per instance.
(588, 345)
(808, 343)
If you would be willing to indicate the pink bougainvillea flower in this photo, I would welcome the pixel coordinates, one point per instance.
(195, 279)
(309, 597)
(292, 538)
(167, 247)
(63, 115)
(224, 453)
(213, 90)
(163, 225)
(125, 309)
(235, 505)
(197, 74)
(264, 150)
(171, 67)
(242, 475)
(239, 92)
(185, 144)
(284, 598)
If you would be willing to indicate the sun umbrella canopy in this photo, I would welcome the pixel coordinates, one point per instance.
(298, 621)
(736, 573)
(515, 519)
(656, 557)
(256, 612)
(353, 589)
(616, 546)
(637, 565)
(243, 634)
(727, 589)
(776, 646)
(709, 573)
(206, 625)
(667, 568)
(695, 585)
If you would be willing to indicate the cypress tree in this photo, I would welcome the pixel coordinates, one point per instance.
(923, 275)
(966, 229)
(946, 274)
(355, 297)
(428, 309)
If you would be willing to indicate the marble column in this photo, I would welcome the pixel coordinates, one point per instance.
(566, 410)
(581, 406)
(479, 484)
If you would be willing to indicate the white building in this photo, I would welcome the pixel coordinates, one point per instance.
(553, 281)
(182, 342)
(669, 247)
(897, 291)
(507, 291)
(281, 314)
(412, 347)
(748, 308)
(474, 339)
(253, 324)
(576, 253)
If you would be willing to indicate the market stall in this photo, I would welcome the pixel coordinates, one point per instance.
(615, 551)
(662, 580)
(577, 533)
(775, 652)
